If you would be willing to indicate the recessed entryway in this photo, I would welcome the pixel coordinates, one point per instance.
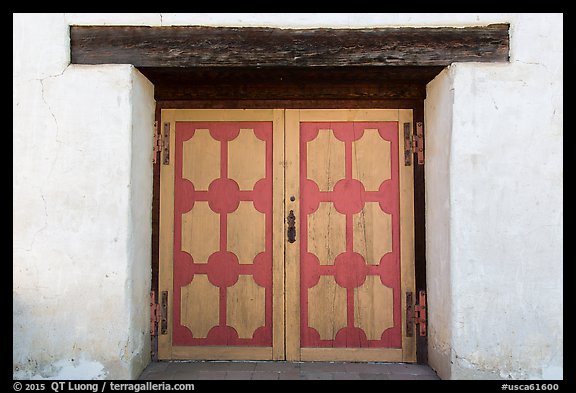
(368, 68)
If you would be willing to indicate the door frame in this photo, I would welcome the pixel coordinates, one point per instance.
(417, 105)
(286, 332)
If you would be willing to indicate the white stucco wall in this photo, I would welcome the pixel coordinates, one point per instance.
(82, 210)
(82, 194)
(438, 124)
(494, 183)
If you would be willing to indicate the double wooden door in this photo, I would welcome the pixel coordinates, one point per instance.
(286, 235)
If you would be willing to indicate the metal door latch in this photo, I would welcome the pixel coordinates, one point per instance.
(291, 227)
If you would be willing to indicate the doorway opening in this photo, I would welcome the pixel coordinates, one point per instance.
(313, 69)
(248, 88)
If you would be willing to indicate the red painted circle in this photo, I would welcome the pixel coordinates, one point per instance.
(388, 202)
(263, 269)
(223, 195)
(184, 265)
(263, 131)
(350, 270)
(184, 200)
(223, 269)
(262, 336)
(222, 335)
(225, 132)
(347, 132)
(348, 196)
(309, 196)
(389, 267)
(262, 196)
(351, 337)
(309, 131)
(310, 270)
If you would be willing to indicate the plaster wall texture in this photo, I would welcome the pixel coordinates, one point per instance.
(494, 183)
(82, 186)
(83, 179)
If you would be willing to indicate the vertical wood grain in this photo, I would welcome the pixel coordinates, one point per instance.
(292, 249)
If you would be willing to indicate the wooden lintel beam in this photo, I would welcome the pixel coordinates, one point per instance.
(193, 46)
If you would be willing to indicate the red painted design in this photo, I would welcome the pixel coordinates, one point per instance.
(223, 195)
(350, 269)
(222, 267)
(348, 196)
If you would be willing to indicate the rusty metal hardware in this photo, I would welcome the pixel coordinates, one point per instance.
(420, 313)
(413, 144)
(164, 313)
(291, 227)
(407, 145)
(166, 144)
(416, 313)
(409, 314)
(419, 148)
(154, 317)
(157, 143)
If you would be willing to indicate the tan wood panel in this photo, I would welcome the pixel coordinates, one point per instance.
(327, 307)
(328, 115)
(246, 159)
(373, 304)
(246, 232)
(292, 288)
(201, 172)
(221, 353)
(371, 160)
(199, 306)
(372, 233)
(406, 232)
(199, 226)
(351, 355)
(327, 233)
(166, 237)
(245, 306)
(326, 160)
(278, 243)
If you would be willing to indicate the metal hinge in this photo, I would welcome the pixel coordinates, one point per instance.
(416, 313)
(161, 143)
(164, 313)
(157, 143)
(158, 314)
(154, 314)
(413, 143)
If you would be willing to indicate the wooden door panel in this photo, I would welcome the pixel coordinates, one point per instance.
(226, 266)
(348, 265)
(219, 265)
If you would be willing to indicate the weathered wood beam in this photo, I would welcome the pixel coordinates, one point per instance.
(192, 46)
(294, 83)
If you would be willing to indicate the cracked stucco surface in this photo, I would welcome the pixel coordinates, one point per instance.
(76, 240)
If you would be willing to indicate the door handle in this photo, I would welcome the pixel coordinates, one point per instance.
(291, 227)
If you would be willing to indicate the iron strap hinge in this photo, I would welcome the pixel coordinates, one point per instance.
(154, 314)
(413, 143)
(157, 143)
(158, 314)
(161, 143)
(416, 313)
